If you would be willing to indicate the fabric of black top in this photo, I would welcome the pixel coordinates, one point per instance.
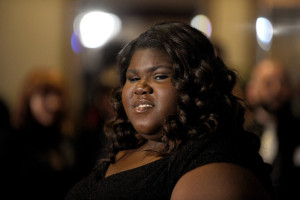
(156, 180)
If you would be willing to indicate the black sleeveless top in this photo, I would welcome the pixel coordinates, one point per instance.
(156, 180)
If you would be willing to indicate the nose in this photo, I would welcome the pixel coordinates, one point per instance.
(142, 87)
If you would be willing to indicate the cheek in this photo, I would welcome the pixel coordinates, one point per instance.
(36, 105)
(168, 104)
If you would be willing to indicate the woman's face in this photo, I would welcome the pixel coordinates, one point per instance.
(45, 107)
(148, 95)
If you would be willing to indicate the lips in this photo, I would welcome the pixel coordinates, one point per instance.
(142, 105)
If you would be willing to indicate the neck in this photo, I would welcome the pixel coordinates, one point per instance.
(152, 146)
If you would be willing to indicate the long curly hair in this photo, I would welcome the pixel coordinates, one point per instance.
(206, 104)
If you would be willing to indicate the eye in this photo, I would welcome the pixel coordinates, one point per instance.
(133, 79)
(160, 77)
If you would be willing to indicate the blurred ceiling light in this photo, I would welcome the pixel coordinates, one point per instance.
(202, 23)
(96, 28)
(264, 32)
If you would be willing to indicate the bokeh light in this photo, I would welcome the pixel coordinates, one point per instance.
(95, 28)
(202, 23)
(264, 32)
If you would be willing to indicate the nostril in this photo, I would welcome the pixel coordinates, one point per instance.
(150, 90)
(143, 90)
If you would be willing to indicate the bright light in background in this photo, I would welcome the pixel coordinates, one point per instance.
(202, 23)
(96, 28)
(264, 32)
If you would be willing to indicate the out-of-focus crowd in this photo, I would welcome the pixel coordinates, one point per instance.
(43, 151)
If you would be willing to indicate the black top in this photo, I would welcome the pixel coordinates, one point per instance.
(156, 180)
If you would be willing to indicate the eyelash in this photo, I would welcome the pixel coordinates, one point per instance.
(133, 79)
(160, 77)
(157, 77)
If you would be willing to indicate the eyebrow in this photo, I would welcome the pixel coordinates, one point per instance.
(150, 69)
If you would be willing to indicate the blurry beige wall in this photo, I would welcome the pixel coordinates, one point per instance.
(37, 33)
(234, 31)
(32, 34)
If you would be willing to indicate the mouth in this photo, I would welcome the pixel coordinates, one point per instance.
(142, 105)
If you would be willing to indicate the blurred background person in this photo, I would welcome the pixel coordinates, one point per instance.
(269, 94)
(4, 115)
(43, 147)
(6, 138)
(5, 127)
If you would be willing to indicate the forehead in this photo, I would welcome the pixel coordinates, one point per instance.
(149, 57)
(271, 71)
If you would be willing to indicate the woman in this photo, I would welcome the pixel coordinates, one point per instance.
(178, 133)
(43, 140)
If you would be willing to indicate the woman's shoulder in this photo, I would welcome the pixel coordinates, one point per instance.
(219, 181)
(231, 160)
(240, 149)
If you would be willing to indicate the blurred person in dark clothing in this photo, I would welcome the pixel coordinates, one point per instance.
(5, 126)
(43, 148)
(6, 138)
(269, 94)
(4, 114)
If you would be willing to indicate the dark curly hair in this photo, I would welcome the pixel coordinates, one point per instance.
(204, 84)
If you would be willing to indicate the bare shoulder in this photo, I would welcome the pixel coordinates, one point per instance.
(221, 181)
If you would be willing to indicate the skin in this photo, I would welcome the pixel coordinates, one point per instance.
(219, 181)
(149, 82)
(44, 108)
(268, 85)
